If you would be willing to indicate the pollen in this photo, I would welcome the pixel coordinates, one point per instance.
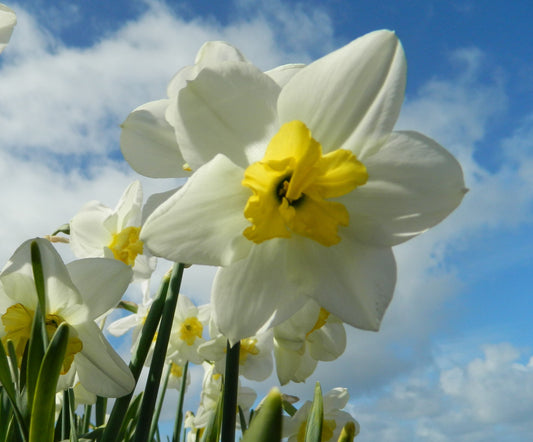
(248, 347)
(292, 184)
(126, 245)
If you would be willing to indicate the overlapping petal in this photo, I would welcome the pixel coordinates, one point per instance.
(101, 282)
(148, 142)
(99, 367)
(257, 301)
(203, 221)
(414, 183)
(230, 109)
(350, 98)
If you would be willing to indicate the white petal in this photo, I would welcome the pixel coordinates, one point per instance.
(210, 54)
(351, 280)
(8, 20)
(123, 325)
(298, 325)
(101, 282)
(129, 206)
(291, 365)
(282, 74)
(228, 109)
(202, 223)
(328, 342)
(414, 183)
(148, 142)
(154, 201)
(62, 297)
(336, 399)
(350, 98)
(100, 368)
(88, 235)
(255, 293)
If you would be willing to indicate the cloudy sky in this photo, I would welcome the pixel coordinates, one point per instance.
(453, 360)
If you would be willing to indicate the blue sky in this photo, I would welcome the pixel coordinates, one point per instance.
(452, 361)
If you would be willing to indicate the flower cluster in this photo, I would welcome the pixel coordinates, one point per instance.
(297, 188)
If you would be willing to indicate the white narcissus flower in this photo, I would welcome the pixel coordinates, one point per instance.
(76, 294)
(147, 140)
(334, 418)
(187, 331)
(211, 390)
(312, 334)
(99, 231)
(8, 20)
(255, 355)
(300, 188)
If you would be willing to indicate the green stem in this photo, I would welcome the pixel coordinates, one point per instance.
(163, 390)
(231, 385)
(179, 411)
(158, 358)
(112, 429)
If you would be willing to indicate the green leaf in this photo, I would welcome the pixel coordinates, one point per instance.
(9, 388)
(348, 432)
(313, 429)
(43, 410)
(266, 424)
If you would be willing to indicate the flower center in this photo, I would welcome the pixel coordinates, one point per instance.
(17, 322)
(176, 370)
(328, 427)
(292, 183)
(323, 316)
(191, 329)
(126, 245)
(247, 348)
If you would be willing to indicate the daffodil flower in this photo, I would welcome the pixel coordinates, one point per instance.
(8, 20)
(300, 189)
(211, 390)
(255, 355)
(187, 331)
(334, 418)
(75, 294)
(99, 231)
(312, 334)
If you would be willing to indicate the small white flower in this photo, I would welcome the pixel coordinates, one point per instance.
(99, 231)
(255, 356)
(334, 418)
(187, 331)
(310, 335)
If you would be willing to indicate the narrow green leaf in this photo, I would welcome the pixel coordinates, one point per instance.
(242, 419)
(348, 432)
(266, 424)
(38, 274)
(313, 429)
(43, 410)
(72, 415)
(9, 388)
(130, 419)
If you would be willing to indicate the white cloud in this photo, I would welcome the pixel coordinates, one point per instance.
(484, 398)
